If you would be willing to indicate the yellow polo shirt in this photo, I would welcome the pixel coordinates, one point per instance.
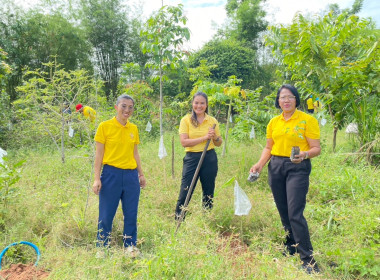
(186, 127)
(119, 143)
(89, 113)
(309, 103)
(293, 132)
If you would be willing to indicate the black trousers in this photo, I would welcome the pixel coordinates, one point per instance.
(290, 183)
(207, 174)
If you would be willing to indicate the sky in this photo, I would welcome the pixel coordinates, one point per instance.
(205, 15)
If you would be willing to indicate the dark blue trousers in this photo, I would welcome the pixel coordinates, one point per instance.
(118, 184)
(290, 184)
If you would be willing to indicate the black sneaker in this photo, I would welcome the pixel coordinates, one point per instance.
(310, 268)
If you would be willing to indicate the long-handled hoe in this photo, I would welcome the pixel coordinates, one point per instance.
(184, 207)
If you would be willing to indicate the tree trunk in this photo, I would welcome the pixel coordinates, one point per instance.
(63, 139)
(173, 157)
(334, 138)
(161, 101)
(227, 126)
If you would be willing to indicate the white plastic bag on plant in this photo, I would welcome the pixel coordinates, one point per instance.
(2, 153)
(323, 122)
(242, 203)
(252, 134)
(71, 131)
(148, 126)
(162, 151)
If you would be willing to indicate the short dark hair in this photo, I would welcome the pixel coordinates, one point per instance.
(293, 90)
(125, 96)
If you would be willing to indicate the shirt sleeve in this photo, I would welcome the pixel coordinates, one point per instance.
(137, 136)
(312, 129)
(184, 126)
(217, 129)
(269, 129)
(99, 136)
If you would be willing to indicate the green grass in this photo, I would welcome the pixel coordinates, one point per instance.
(54, 209)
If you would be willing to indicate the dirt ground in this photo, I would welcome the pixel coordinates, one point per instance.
(23, 272)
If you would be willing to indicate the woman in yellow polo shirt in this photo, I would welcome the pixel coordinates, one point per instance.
(122, 176)
(289, 179)
(194, 130)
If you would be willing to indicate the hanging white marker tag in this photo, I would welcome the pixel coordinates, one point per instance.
(71, 131)
(2, 154)
(148, 126)
(252, 134)
(162, 151)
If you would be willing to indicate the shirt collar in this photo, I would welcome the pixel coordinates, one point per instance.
(294, 116)
(119, 124)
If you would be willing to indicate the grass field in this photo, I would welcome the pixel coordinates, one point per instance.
(53, 207)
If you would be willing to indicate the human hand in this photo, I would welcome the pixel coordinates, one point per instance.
(298, 158)
(211, 134)
(96, 186)
(256, 168)
(142, 181)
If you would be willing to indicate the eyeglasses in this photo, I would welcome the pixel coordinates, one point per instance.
(290, 97)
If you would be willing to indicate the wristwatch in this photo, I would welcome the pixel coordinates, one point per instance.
(306, 155)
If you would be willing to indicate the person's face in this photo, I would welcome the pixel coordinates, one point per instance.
(287, 100)
(199, 105)
(124, 109)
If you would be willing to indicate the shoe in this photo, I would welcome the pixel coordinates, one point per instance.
(132, 251)
(100, 254)
(289, 251)
(310, 268)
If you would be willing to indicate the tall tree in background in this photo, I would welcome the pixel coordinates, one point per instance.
(32, 38)
(231, 58)
(107, 30)
(164, 35)
(247, 21)
(337, 56)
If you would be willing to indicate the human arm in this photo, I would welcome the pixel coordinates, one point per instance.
(139, 168)
(99, 153)
(187, 142)
(314, 150)
(264, 158)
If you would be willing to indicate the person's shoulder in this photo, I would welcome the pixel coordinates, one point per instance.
(109, 122)
(213, 119)
(306, 116)
(186, 117)
(275, 118)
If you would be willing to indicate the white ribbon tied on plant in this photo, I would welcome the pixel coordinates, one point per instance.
(2, 154)
(162, 151)
(252, 134)
(242, 203)
(148, 126)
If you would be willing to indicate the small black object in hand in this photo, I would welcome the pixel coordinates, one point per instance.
(253, 176)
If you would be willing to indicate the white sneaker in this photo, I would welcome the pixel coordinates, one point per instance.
(132, 251)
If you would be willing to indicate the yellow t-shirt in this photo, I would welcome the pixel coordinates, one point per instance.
(186, 127)
(89, 113)
(293, 132)
(119, 143)
(309, 103)
(317, 106)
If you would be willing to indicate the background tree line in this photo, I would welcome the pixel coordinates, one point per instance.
(334, 56)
